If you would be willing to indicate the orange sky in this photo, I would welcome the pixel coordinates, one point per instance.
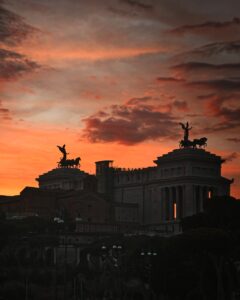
(112, 79)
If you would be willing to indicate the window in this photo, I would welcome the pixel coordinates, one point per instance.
(175, 211)
(210, 194)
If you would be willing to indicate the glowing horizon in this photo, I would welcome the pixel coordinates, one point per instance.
(112, 79)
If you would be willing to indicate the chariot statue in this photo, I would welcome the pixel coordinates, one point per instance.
(187, 143)
(67, 163)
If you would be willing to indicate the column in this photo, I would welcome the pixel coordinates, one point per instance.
(182, 197)
(179, 201)
(204, 195)
(178, 204)
(163, 213)
(189, 200)
(197, 198)
(174, 203)
(166, 202)
(201, 197)
(170, 203)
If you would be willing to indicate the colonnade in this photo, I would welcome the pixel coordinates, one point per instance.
(183, 200)
(172, 202)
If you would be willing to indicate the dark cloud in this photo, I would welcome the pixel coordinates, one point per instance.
(151, 102)
(130, 124)
(220, 127)
(221, 107)
(234, 139)
(207, 96)
(13, 29)
(132, 8)
(134, 101)
(170, 79)
(181, 105)
(138, 4)
(123, 12)
(193, 115)
(4, 113)
(231, 157)
(218, 105)
(212, 49)
(205, 27)
(219, 85)
(200, 66)
(13, 65)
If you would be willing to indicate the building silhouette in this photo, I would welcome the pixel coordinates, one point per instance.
(156, 197)
(175, 188)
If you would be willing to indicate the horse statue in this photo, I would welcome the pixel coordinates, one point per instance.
(185, 144)
(202, 142)
(70, 162)
(64, 162)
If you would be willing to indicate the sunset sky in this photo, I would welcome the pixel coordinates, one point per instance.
(112, 79)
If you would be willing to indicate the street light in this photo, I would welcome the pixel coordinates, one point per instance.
(149, 254)
(112, 255)
(61, 221)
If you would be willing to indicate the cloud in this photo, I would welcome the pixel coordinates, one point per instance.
(13, 29)
(234, 139)
(13, 65)
(223, 107)
(170, 79)
(130, 123)
(231, 156)
(225, 85)
(201, 66)
(4, 113)
(138, 4)
(204, 28)
(134, 101)
(212, 50)
(181, 105)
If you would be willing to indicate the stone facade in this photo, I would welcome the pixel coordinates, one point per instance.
(84, 206)
(66, 179)
(176, 187)
(152, 199)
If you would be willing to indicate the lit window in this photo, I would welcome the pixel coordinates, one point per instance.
(175, 211)
(209, 194)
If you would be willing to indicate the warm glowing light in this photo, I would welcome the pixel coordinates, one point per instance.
(175, 211)
(209, 194)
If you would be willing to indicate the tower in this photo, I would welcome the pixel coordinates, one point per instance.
(104, 173)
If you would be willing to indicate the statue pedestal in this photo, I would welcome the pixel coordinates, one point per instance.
(62, 178)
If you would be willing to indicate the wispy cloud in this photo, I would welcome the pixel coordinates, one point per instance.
(234, 139)
(232, 156)
(204, 28)
(13, 28)
(14, 65)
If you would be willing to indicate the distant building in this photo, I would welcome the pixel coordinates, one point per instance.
(85, 206)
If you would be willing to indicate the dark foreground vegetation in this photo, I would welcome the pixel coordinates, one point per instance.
(201, 263)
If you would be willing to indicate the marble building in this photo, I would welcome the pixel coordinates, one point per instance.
(62, 178)
(176, 187)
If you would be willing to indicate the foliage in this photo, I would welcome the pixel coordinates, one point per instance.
(219, 212)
